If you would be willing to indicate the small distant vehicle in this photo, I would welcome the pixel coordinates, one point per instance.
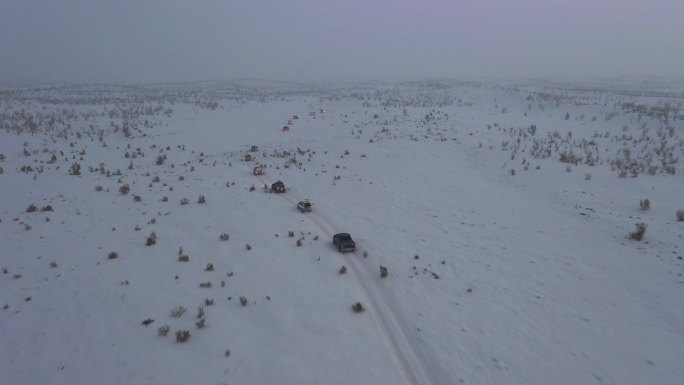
(258, 170)
(305, 206)
(278, 187)
(344, 242)
(286, 128)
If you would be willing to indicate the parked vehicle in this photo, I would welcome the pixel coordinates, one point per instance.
(278, 187)
(305, 206)
(344, 242)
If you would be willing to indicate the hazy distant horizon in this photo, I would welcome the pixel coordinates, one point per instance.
(163, 41)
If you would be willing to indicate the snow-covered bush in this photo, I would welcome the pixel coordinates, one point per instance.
(645, 204)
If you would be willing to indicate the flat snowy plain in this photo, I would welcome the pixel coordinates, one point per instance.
(499, 211)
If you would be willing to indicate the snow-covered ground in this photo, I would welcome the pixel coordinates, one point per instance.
(501, 211)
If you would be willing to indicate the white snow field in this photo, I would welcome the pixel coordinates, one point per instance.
(502, 211)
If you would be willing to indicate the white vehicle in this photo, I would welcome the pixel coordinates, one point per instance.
(304, 206)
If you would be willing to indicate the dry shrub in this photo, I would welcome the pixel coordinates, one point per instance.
(113, 255)
(182, 335)
(183, 258)
(645, 204)
(383, 271)
(243, 301)
(343, 269)
(638, 234)
(680, 215)
(358, 308)
(224, 236)
(164, 330)
(124, 189)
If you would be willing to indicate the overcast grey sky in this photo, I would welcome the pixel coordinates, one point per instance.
(132, 41)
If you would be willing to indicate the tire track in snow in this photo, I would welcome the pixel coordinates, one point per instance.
(403, 350)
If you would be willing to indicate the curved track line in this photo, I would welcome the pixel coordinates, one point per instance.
(404, 353)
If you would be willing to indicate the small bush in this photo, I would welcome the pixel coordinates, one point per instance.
(164, 330)
(224, 236)
(202, 200)
(680, 215)
(31, 208)
(184, 201)
(124, 189)
(252, 188)
(290, 234)
(151, 239)
(639, 233)
(178, 311)
(209, 301)
(53, 264)
(383, 271)
(299, 242)
(343, 269)
(248, 247)
(98, 188)
(243, 301)
(75, 169)
(645, 204)
(137, 198)
(183, 258)
(201, 324)
(200, 312)
(210, 267)
(205, 285)
(182, 336)
(113, 255)
(358, 308)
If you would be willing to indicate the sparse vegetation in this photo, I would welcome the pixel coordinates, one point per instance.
(164, 330)
(113, 255)
(383, 271)
(151, 239)
(243, 301)
(358, 308)
(343, 269)
(680, 215)
(224, 236)
(638, 234)
(178, 311)
(124, 189)
(182, 336)
(645, 204)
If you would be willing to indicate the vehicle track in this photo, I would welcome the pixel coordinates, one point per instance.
(401, 347)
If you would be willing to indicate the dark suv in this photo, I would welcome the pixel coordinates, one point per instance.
(344, 242)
